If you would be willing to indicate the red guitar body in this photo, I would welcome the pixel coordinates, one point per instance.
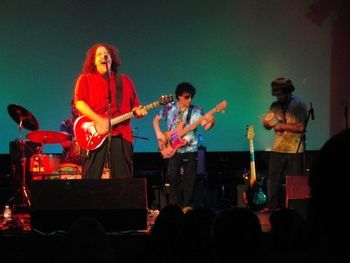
(85, 131)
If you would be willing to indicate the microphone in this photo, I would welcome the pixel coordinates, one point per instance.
(312, 112)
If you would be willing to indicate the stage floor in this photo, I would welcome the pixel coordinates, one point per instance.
(20, 223)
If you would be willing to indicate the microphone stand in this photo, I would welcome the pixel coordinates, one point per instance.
(303, 137)
(109, 136)
(346, 115)
(137, 136)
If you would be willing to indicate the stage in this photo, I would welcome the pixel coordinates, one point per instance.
(127, 208)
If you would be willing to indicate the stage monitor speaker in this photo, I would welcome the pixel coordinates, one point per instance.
(297, 193)
(120, 205)
(240, 190)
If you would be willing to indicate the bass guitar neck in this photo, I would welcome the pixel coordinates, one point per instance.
(254, 197)
(174, 138)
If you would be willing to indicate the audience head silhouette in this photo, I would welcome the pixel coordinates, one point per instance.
(236, 235)
(329, 183)
(86, 241)
(166, 234)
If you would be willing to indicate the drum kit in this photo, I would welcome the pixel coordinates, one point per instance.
(42, 166)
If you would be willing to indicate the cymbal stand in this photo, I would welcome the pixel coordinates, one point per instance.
(25, 196)
(25, 200)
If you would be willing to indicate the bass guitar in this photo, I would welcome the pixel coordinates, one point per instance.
(253, 197)
(85, 131)
(174, 138)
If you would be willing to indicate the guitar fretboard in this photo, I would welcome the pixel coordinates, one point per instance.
(130, 115)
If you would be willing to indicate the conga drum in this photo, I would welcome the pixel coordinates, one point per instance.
(271, 119)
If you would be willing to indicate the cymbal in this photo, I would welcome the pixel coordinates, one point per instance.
(47, 136)
(23, 117)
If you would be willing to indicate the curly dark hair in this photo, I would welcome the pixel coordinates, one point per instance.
(183, 87)
(89, 63)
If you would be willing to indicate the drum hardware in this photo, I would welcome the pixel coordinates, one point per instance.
(63, 171)
(25, 120)
(42, 166)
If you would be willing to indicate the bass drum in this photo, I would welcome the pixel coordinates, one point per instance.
(68, 171)
(44, 164)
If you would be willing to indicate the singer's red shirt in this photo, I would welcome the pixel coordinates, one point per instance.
(92, 88)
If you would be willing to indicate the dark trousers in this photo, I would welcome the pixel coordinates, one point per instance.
(182, 181)
(121, 160)
(281, 165)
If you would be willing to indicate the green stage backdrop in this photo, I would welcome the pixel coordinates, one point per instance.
(228, 49)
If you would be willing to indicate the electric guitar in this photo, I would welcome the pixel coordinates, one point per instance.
(174, 138)
(253, 196)
(85, 131)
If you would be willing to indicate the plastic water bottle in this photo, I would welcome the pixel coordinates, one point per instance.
(200, 138)
(7, 213)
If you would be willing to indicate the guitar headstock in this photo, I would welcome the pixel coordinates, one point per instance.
(250, 132)
(165, 99)
(221, 106)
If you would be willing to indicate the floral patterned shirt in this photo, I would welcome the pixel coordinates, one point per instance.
(172, 114)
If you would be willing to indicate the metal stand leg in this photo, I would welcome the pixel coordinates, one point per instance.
(25, 196)
(23, 191)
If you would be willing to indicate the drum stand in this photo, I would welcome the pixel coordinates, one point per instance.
(23, 190)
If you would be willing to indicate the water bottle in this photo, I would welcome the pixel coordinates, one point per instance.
(7, 213)
(200, 138)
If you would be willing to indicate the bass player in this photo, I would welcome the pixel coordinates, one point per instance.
(182, 163)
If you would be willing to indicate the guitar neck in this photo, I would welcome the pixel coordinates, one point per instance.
(252, 163)
(196, 123)
(130, 114)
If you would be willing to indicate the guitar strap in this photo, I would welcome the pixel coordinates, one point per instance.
(189, 114)
(119, 91)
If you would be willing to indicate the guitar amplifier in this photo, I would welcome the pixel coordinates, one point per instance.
(298, 193)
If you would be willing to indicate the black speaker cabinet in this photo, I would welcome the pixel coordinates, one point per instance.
(119, 205)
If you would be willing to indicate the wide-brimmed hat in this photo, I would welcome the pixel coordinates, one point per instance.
(281, 85)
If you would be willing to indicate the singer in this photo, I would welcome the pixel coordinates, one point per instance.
(100, 94)
(286, 156)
